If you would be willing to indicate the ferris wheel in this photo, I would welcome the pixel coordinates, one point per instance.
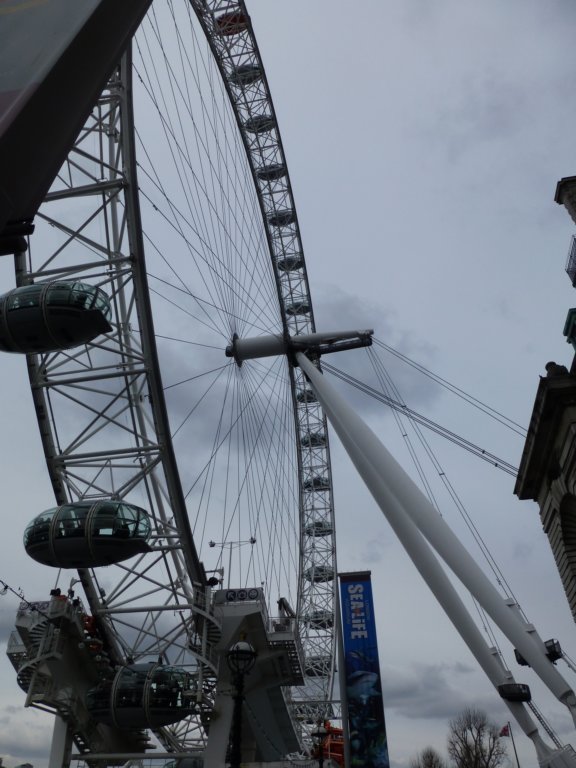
(185, 472)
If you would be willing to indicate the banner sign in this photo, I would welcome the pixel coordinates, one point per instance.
(366, 724)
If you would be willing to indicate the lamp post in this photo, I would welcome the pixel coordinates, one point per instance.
(318, 737)
(240, 658)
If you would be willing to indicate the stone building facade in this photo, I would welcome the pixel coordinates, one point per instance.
(547, 471)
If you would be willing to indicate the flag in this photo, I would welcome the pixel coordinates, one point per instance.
(505, 731)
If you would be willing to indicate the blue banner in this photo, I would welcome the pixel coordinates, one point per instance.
(366, 724)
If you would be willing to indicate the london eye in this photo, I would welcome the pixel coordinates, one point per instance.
(163, 308)
(178, 473)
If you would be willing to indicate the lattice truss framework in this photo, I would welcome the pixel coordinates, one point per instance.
(98, 406)
(238, 53)
(102, 435)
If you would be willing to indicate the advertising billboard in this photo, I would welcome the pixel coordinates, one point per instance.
(366, 724)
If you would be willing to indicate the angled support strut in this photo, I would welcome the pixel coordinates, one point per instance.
(419, 528)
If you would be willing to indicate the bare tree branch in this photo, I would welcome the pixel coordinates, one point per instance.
(428, 758)
(473, 742)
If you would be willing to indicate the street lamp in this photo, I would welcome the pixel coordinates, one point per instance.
(240, 658)
(318, 737)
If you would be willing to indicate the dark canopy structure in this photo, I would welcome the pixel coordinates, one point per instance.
(55, 58)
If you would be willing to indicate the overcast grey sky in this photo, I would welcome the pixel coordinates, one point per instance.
(424, 140)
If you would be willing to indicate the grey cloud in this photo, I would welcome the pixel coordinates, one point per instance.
(562, 724)
(376, 549)
(7, 619)
(339, 310)
(185, 387)
(25, 736)
(435, 691)
(487, 110)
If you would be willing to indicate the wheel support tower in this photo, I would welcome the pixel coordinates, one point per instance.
(421, 530)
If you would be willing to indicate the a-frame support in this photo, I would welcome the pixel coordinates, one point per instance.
(419, 527)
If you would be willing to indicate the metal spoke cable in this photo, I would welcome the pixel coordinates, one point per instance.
(226, 260)
(277, 458)
(428, 423)
(262, 490)
(233, 138)
(268, 507)
(175, 222)
(500, 417)
(219, 439)
(386, 382)
(240, 292)
(391, 390)
(187, 312)
(488, 628)
(183, 151)
(186, 341)
(175, 146)
(175, 120)
(209, 256)
(253, 216)
(219, 371)
(384, 375)
(261, 485)
(198, 300)
(178, 100)
(207, 476)
(214, 264)
(262, 440)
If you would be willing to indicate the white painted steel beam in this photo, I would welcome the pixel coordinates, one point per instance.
(277, 344)
(410, 512)
(61, 747)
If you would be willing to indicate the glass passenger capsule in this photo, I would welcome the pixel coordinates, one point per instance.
(306, 396)
(87, 534)
(317, 483)
(245, 74)
(320, 619)
(259, 124)
(271, 172)
(290, 263)
(282, 218)
(319, 528)
(46, 317)
(143, 696)
(313, 440)
(299, 307)
(319, 574)
(231, 23)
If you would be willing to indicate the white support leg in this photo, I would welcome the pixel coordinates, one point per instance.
(61, 747)
(399, 498)
(433, 574)
(220, 725)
